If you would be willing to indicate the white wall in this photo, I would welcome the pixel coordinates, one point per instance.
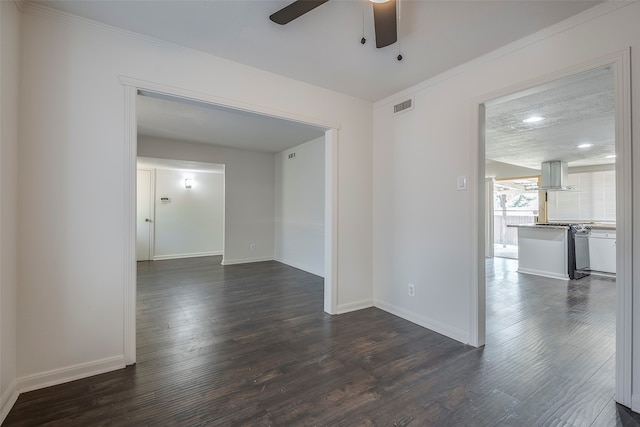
(422, 229)
(299, 207)
(9, 83)
(191, 224)
(249, 188)
(72, 185)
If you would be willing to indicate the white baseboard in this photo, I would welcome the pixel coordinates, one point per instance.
(635, 402)
(190, 255)
(7, 400)
(418, 319)
(71, 373)
(542, 273)
(300, 266)
(244, 260)
(354, 306)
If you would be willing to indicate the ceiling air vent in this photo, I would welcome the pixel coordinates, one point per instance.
(403, 106)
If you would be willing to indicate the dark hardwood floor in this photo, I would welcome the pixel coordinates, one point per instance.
(250, 345)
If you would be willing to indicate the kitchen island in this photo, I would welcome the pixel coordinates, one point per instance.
(543, 250)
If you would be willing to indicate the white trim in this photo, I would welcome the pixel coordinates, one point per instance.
(542, 273)
(477, 298)
(189, 255)
(132, 86)
(299, 266)
(620, 61)
(71, 373)
(424, 321)
(177, 92)
(331, 221)
(635, 402)
(8, 399)
(245, 260)
(130, 161)
(20, 6)
(224, 212)
(569, 23)
(624, 229)
(354, 306)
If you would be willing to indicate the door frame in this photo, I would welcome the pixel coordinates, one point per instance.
(131, 88)
(621, 65)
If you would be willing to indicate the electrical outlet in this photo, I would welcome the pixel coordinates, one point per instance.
(412, 290)
(252, 246)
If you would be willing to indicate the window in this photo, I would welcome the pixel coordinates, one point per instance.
(594, 200)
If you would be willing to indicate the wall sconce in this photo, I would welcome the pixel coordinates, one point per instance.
(188, 182)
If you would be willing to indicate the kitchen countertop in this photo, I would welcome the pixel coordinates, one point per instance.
(593, 225)
(558, 227)
(597, 226)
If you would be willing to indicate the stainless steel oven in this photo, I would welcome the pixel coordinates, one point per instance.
(578, 245)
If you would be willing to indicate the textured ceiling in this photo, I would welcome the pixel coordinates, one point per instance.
(323, 47)
(165, 117)
(578, 109)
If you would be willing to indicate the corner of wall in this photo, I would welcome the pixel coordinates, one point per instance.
(70, 373)
(354, 306)
(8, 399)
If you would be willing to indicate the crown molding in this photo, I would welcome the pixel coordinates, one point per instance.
(20, 4)
(39, 10)
(65, 17)
(569, 23)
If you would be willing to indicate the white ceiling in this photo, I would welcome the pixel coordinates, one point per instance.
(323, 47)
(182, 120)
(154, 163)
(577, 109)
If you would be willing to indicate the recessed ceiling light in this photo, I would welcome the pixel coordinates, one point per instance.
(533, 119)
(585, 145)
(612, 156)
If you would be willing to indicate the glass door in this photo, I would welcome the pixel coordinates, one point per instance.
(515, 202)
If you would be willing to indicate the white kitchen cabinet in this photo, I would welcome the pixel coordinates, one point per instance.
(602, 250)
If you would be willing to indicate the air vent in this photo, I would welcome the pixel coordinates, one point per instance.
(403, 106)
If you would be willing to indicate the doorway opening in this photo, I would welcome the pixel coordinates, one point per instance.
(617, 101)
(329, 132)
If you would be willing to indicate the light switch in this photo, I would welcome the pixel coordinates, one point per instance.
(462, 183)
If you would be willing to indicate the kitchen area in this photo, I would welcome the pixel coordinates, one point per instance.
(551, 178)
(567, 249)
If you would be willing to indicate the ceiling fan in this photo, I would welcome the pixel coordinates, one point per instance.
(384, 18)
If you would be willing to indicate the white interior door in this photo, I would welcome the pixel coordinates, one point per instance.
(143, 215)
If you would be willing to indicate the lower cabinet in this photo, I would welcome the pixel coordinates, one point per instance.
(602, 250)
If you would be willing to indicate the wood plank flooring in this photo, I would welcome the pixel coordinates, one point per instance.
(250, 345)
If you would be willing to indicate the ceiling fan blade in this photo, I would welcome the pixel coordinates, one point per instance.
(385, 23)
(295, 10)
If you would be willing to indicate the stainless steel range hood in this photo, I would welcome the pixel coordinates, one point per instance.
(555, 176)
